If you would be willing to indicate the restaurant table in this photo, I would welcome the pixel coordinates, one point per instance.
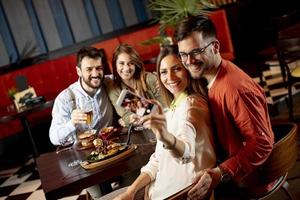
(59, 179)
(22, 116)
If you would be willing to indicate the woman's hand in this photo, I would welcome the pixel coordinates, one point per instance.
(156, 122)
(134, 119)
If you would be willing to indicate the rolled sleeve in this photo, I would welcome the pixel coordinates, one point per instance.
(187, 135)
(151, 168)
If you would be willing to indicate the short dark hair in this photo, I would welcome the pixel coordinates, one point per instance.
(199, 23)
(90, 52)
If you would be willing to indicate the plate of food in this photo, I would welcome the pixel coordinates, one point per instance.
(85, 139)
(106, 152)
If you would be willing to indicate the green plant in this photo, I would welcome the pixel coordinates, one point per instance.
(11, 92)
(168, 13)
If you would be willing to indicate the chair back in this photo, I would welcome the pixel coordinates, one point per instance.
(288, 53)
(182, 194)
(284, 154)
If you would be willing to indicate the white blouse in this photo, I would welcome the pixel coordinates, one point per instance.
(190, 123)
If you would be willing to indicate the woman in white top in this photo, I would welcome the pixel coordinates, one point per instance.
(184, 134)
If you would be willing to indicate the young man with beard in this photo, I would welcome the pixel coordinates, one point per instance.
(239, 111)
(67, 119)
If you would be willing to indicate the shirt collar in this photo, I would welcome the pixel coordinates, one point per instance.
(176, 102)
(209, 85)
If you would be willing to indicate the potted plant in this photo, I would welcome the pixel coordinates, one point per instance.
(168, 13)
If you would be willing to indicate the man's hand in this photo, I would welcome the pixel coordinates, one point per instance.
(203, 181)
(206, 180)
(78, 117)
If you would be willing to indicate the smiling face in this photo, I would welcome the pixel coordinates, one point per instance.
(197, 62)
(125, 67)
(91, 73)
(173, 75)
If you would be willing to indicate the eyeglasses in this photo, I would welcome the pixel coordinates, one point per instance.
(195, 52)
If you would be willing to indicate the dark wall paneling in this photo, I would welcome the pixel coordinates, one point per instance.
(103, 16)
(21, 28)
(48, 25)
(91, 14)
(32, 28)
(115, 13)
(62, 22)
(148, 12)
(140, 10)
(36, 26)
(128, 11)
(4, 58)
(78, 20)
(8, 40)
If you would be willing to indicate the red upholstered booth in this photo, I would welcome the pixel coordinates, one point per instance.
(50, 77)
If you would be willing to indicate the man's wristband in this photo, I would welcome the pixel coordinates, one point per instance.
(171, 146)
(225, 177)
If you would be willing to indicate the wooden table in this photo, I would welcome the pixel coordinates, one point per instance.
(59, 180)
(22, 116)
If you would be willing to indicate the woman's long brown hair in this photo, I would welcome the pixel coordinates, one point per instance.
(194, 85)
(139, 74)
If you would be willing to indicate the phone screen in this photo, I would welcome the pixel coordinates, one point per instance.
(135, 104)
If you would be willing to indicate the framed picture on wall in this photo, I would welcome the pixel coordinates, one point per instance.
(20, 98)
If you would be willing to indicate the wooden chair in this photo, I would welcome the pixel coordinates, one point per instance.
(181, 195)
(288, 53)
(281, 160)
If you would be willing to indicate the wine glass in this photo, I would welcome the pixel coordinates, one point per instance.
(68, 143)
(65, 143)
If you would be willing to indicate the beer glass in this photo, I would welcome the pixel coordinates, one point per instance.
(86, 106)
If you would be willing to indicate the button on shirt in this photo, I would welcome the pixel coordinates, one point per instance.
(62, 129)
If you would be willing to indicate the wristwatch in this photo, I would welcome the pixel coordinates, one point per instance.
(225, 177)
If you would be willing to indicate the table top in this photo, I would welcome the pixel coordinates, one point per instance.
(59, 180)
(15, 115)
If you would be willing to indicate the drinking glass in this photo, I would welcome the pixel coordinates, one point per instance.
(86, 105)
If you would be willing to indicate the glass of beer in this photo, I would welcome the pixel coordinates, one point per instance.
(86, 106)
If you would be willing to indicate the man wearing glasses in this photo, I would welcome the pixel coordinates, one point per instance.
(239, 107)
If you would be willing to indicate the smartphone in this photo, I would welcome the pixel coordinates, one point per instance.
(134, 103)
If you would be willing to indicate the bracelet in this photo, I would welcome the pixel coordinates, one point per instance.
(171, 146)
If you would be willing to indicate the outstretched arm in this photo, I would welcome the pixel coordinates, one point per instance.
(142, 180)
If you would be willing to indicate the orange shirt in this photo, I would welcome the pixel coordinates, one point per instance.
(242, 121)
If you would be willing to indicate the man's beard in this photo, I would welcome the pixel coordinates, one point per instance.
(89, 83)
(200, 69)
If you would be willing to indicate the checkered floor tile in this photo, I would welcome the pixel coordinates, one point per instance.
(17, 185)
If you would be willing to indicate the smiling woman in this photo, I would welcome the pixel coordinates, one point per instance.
(129, 73)
(184, 138)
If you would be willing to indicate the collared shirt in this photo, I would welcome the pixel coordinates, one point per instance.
(241, 117)
(62, 128)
